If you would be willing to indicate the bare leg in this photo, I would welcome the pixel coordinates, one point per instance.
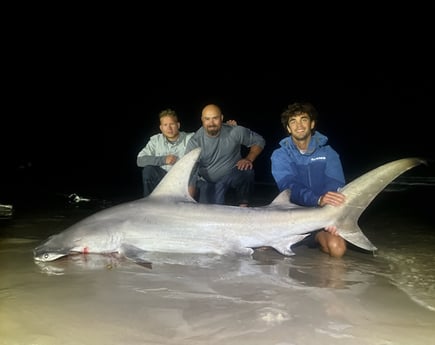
(331, 244)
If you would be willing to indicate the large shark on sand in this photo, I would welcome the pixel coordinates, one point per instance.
(170, 221)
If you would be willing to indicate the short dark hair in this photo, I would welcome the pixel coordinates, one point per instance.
(298, 108)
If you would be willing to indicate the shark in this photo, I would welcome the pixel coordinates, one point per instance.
(169, 220)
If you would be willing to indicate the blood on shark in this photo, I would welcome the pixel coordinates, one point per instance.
(170, 220)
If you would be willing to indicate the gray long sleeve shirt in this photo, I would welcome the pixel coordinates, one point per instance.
(158, 147)
(221, 153)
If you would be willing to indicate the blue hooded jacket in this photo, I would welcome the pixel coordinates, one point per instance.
(308, 175)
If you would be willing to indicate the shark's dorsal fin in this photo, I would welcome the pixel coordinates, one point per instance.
(282, 201)
(175, 183)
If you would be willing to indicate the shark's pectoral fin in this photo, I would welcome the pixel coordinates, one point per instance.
(283, 246)
(135, 254)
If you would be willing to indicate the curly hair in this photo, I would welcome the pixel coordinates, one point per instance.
(298, 108)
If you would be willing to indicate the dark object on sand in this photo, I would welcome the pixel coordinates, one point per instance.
(6, 211)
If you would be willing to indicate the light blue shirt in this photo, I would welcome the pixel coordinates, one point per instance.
(158, 147)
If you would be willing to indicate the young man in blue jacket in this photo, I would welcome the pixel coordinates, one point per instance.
(311, 169)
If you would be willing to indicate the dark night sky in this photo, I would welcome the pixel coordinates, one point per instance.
(81, 98)
(76, 139)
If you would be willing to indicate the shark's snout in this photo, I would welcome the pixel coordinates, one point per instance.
(44, 254)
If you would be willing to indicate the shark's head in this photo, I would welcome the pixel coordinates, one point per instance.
(43, 255)
(50, 250)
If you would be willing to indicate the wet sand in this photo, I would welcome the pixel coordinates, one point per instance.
(382, 298)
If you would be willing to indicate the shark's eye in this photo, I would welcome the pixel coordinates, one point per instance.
(46, 256)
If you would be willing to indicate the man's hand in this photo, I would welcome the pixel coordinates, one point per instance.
(332, 198)
(244, 164)
(171, 159)
(332, 229)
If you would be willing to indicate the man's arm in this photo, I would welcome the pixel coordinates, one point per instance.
(254, 152)
(247, 162)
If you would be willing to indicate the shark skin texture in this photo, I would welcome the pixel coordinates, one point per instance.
(169, 220)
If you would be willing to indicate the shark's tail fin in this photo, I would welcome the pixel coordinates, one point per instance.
(349, 229)
(361, 191)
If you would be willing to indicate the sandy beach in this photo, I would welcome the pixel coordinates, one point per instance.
(386, 297)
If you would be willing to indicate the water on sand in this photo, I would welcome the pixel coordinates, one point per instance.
(386, 297)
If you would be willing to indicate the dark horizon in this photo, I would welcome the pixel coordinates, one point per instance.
(79, 141)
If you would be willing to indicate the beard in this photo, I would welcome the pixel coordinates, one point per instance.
(212, 131)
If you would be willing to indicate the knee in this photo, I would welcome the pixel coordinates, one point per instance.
(149, 172)
(249, 175)
(336, 246)
(146, 170)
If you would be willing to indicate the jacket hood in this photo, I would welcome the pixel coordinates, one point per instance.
(317, 140)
